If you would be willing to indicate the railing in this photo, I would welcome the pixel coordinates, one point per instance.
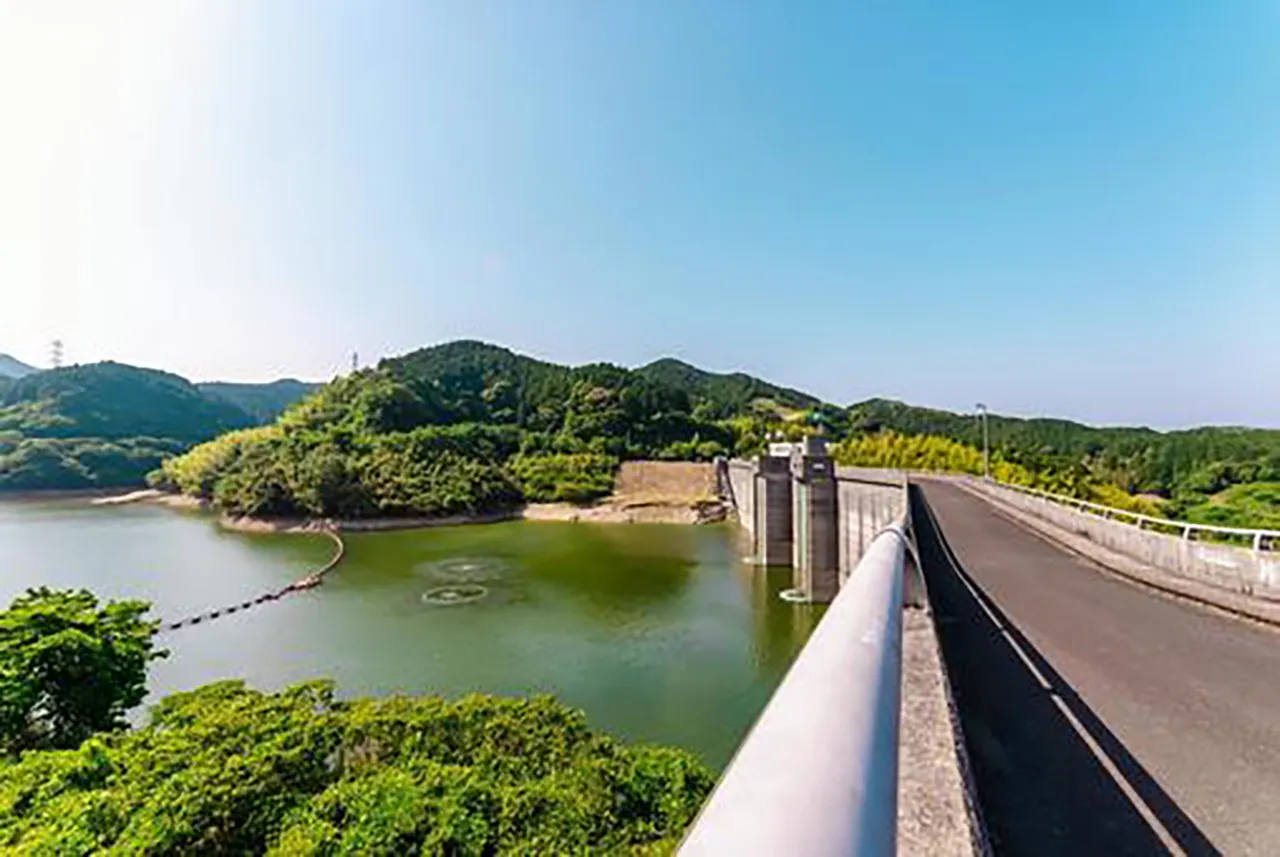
(1234, 559)
(818, 773)
(1260, 539)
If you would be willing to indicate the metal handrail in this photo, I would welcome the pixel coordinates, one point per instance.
(1185, 526)
(818, 772)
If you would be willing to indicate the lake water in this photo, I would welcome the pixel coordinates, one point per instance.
(659, 633)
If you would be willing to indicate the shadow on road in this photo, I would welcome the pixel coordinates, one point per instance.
(1041, 787)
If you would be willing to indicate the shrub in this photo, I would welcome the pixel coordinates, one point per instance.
(227, 769)
(565, 478)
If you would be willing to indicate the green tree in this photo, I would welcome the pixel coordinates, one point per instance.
(229, 770)
(70, 667)
(569, 478)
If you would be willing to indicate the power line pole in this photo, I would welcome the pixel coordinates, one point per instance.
(986, 444)
(55, 353)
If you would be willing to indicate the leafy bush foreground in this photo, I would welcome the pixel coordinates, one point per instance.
(227, 769)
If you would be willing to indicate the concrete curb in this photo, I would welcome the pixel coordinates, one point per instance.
(979, 842)
(937, 808)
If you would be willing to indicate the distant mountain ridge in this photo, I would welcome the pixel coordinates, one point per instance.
(725, 393)
(108, 424)
(115, 400)
(12, 367)
(482, 381)
(263, 402)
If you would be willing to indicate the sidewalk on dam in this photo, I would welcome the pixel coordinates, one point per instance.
(937, 812)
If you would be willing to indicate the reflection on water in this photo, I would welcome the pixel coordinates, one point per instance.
(659, 633)
(779, 632)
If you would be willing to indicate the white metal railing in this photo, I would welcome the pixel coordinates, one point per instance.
(1262, 539)
(818, 773)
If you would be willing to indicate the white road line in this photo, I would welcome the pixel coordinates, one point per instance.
(1116, 774)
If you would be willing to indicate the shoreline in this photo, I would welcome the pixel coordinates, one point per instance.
(247, 524)
(604, 512)
(621, 512)
(36, 494)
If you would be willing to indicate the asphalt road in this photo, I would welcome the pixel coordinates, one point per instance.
(1099, 718)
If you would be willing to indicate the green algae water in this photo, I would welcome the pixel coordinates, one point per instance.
(660, 633)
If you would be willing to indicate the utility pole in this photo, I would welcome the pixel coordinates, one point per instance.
(55, 353)
(986, 443)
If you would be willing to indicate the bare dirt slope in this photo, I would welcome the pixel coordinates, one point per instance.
(664, 482)
(657, 492)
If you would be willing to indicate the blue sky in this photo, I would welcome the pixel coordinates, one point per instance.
(1065, 209)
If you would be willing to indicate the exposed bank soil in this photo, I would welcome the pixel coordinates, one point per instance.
(148, 494)
(91, 494)
(608, 512)
(645, 492)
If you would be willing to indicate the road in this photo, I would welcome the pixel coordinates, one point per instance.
(1099, 718)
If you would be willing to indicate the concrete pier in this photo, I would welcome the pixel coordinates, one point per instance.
(800, 510)
(816, 549)
(773, 508)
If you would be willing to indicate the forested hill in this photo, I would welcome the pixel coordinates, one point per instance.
(723, 395)
(1198, 461)
(102, 425)
(113, 400)
(468, 381)
(468, 426)
(263, 402)
(473, 380)
(463, 427)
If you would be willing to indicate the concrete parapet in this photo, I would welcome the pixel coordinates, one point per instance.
(865, 508)
(1235, 569)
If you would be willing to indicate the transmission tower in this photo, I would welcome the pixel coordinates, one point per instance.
(355, 361)
(55, 353)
